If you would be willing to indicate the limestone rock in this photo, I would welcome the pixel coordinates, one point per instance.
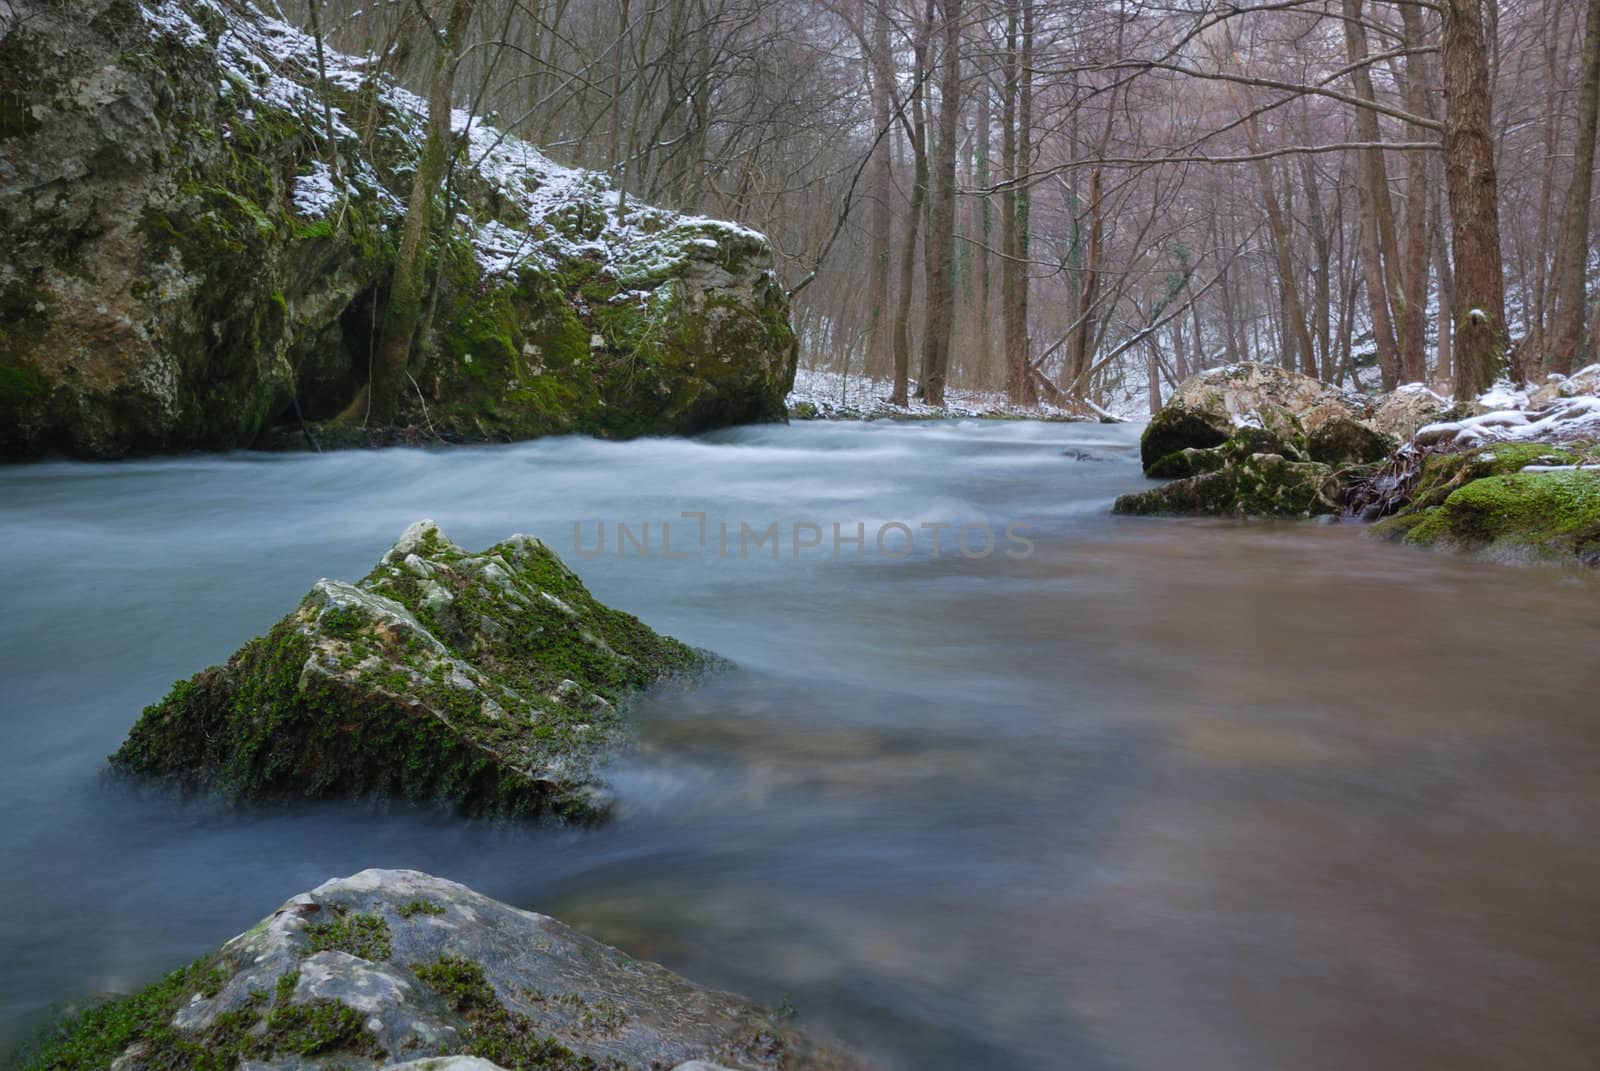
(184, 271)
(399, 969)
(490, 682)
(1340, 441)
(1399, 413)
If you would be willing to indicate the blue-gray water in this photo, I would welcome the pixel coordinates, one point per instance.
(1159, 795)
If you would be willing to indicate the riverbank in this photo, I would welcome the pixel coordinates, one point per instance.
(823, 395)
(1513, 476)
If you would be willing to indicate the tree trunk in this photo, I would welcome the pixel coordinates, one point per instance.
(900, 393)
(1379, 252)
(879, 340)
(1473, 191)
(942, 223)
(405, 307)
(1414, 268)
(1572, 271)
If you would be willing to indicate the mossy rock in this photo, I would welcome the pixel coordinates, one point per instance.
(1188, 462)
(1522, 516)
(1395, 529)
(1443, 474)
(487, 682)
(1341, 442)
(1177, 428)
(458, 975)
(1262, 485)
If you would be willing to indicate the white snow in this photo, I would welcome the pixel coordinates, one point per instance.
(267, 62)
(315, 194)
(834, 394)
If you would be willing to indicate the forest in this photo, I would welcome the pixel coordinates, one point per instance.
(799, 535)
(1067, 199)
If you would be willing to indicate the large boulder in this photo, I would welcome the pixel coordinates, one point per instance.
(395, 968)
(184, 269)
(1213, 406)
(1260, 485)
(1399, 413)
(489, 682)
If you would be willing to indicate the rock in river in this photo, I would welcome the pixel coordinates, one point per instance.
(395, 968)
(490, 682)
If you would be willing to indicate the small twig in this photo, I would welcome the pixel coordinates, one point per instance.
(424, 402)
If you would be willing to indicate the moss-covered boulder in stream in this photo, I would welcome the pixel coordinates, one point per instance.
(1524, 516)
(195, 257)
(399, 969)
(490, 682)
(1259, 485)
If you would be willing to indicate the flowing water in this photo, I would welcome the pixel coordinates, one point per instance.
(1156, 794)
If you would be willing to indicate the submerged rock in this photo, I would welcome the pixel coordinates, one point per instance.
(1260, 485)
(489, 681)
(183, 269)
(395, 968)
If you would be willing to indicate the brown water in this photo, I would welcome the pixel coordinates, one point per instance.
(1162, 795)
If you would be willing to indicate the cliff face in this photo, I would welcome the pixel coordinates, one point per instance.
(191, 253)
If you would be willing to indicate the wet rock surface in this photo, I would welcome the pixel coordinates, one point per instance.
(489, 682)
(396, 968)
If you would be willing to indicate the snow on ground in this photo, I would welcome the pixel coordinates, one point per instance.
(832, 395)
(1565, 409)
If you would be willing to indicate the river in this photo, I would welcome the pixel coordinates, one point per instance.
(1119, 793)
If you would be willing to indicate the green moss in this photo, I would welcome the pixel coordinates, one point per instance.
(495, 1033)
(92, 1040)
(419, 907)
(1442, 474)
(95, 1037)
(20, 383)
(1524, 515)
(363, 935)
(315, 1027)
(1173, 429)
(1187, 462)
(1263, 485)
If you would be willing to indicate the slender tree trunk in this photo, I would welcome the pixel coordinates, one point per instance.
(1379, 251)
(1414, 268)
(405, 308)
(880, 343)
(1293, 307)
(1444, 370)
(1473, 190)
(941, 231)
(900, 394)
(1572, 271)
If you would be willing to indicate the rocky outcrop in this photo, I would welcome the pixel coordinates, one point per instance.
(194, 257)
(1254, 440)
(398, 969)
(1211, 406)
(488, 682)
